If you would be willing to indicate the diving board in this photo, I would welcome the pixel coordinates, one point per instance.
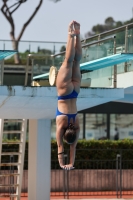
(98, 63)
(106, 61)
(6, 53)
(42, 76)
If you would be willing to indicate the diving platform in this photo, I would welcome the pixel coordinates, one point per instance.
(106, 61)
(5, 53)
(17, 102)
(38, 105)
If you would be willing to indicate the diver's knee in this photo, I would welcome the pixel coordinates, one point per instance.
(69, 60)
(77, 58)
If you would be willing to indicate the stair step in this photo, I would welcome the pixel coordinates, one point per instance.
(11, 185)
(16, 185)
(12, 132)
(10, 164)
(10, 153)
(18, 142)
(6, 175)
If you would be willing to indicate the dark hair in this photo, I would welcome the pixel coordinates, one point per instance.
(70, 134)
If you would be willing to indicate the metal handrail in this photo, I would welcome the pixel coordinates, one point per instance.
(3, 40)
(38, 55)
(99, 41)
(58, 54)
(108, 32)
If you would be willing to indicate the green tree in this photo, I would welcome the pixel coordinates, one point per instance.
(63, 48)
(109, 21)
(8, 11)
(99, 28)
(118, 24)
(109, 24)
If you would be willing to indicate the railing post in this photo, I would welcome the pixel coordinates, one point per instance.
(99, 37)
(32, 68)
(65, 172)
(26, 71)
(1, 71)
(118, 183)
(54, 49)
(67, 181)
(53, 60)
(29, 47)
(126, 45)
(3, 46)
(84, 123)
(117, 174)
(11, 172)
(115, 66)
(120, 176)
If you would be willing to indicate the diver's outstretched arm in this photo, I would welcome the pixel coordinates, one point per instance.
(59, 139)
(72, 153)
(78, 46)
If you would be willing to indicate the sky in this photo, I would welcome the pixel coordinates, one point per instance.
(51, 21)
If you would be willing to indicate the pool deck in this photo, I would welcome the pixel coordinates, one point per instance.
(79, 198)
(125, 197)
(108, 195)
(25, 198)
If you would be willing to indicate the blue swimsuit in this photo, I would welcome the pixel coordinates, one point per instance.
(73, 95)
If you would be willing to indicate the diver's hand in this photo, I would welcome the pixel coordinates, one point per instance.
(67, 167)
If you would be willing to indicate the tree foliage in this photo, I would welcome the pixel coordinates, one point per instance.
(90, 154)
(109, 24)
(109, 21)
(8, 11)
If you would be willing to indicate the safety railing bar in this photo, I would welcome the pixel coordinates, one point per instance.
(38, 55)
(52, 42)
(2, 71)
(108, 32)
(115, 67)
(117, 175)
(99, 41)
(120, 174)
(86, 45)
(58, 54)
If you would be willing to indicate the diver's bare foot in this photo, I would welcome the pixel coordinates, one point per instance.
(76, 28)
(71, 29)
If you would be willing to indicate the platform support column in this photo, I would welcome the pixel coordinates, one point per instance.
(39, 167)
